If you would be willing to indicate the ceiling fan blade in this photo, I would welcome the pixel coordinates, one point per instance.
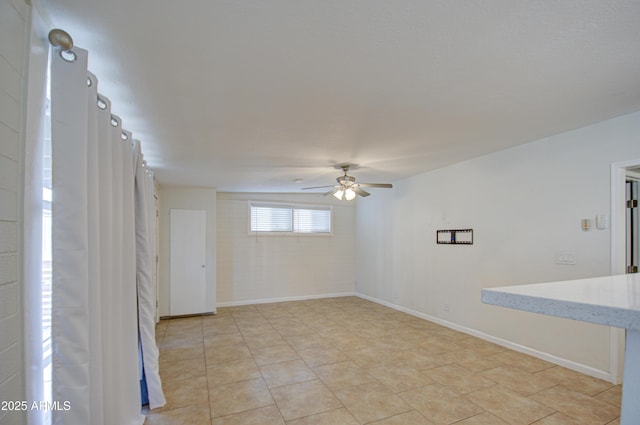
(360, 192)
(383, 185)
(332, 191)
(315, 187)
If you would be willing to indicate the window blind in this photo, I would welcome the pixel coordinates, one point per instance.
(271, 219)
(311, 220)
(289, 218)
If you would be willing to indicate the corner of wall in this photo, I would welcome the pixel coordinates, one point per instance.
(15, 55)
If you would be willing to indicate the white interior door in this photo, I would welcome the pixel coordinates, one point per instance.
(187, 285)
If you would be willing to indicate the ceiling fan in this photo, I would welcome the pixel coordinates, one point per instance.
(347, 188)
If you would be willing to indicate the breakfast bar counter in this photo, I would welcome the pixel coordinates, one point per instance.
(610, 300)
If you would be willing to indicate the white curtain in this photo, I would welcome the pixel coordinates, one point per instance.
(95, 318)
(146, 267)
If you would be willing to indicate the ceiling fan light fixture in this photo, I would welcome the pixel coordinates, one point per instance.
(339, 194)
(349, 194)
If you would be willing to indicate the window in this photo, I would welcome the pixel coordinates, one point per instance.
(289, 219)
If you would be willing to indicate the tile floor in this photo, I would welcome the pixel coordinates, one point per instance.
(343, 361)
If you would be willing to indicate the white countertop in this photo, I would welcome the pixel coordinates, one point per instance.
(610, 300)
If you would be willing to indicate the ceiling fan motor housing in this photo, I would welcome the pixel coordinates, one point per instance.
(346, 180)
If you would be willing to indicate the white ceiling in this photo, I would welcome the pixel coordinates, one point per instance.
(248, 95)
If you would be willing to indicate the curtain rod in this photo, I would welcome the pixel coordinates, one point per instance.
(60, 38)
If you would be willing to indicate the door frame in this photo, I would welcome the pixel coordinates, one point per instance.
(156, 262)
(618, 253)
(618, 214)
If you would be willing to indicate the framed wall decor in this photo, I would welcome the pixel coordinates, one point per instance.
(455, 237)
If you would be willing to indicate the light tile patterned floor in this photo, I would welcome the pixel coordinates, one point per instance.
(349, 361)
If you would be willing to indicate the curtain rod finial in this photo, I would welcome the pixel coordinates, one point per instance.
(61, 38)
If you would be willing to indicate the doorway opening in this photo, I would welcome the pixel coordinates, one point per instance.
(632, 222)
(621, 172)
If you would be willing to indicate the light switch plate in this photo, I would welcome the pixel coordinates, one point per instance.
(566, 258)
(601, 221)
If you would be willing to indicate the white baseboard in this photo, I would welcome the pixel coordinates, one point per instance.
(569, 364)
(284, 299)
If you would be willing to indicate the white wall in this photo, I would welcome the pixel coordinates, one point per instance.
(190, 199)
(524, 204)
(14, 27)
(265, 267)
